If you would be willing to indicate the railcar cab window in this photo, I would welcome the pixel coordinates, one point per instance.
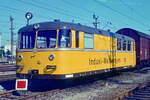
(27, 40)
(88, 40)
(46, 39)
(124, 45)
(64, 38)
(129, 45)
(118, 44)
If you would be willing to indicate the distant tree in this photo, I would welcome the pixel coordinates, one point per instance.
(4, 53)
(8, 52)
(1, 53)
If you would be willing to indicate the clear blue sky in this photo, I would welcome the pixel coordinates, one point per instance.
(121, 13)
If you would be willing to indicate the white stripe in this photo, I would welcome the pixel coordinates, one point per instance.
(69, 76)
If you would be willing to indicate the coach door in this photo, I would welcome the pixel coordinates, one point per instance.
(113, 51)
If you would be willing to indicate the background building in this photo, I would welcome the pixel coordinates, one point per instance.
(7, 49)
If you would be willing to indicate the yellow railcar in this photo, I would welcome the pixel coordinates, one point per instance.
(60, 50)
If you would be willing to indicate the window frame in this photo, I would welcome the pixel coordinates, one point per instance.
(119, 42)
(60, 41)
(124, 41)
(91, 38)
(134, 46)
(129, 49)
(46, 40)
(77, 41)
(21, 37)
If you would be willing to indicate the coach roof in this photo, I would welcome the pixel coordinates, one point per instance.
(134, 31)
(66, 25)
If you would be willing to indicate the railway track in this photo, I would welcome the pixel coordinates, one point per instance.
(14, 95)
(7, 67)
(8, 95)
(7, 77)
(139, 93)
(119, 87)
(7, 72)
(40, 95)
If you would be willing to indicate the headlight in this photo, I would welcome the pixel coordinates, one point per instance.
(20, 57)
(51, 57)
(36, 26)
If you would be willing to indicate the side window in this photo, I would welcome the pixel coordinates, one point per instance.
(77, 39)
(129, 45)
(124, 45)
(118, 44)
(88, 40)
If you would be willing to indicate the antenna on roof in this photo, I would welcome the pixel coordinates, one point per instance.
(95, 23)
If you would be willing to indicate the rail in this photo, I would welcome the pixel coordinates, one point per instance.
(43, 94)
(10, 95)
(130, 94)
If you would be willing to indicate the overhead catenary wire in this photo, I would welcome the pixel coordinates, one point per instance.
(102, 18)
(49, 9)
(4, 15)
(23, 12)
(120, 13)
(12, 9)
(6, 23)
(83, 9)
(60, 9)
(133, 10)
(76, 5)
(79, 7)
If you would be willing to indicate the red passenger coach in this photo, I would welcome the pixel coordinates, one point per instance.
(142, 44)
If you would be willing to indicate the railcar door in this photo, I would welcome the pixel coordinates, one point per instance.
(112, 51)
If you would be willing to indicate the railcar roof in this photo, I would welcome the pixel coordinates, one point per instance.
(66, 25)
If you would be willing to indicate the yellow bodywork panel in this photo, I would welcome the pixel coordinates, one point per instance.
(68, 62)
(81, 39)
(101, 42)
(73, 38)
